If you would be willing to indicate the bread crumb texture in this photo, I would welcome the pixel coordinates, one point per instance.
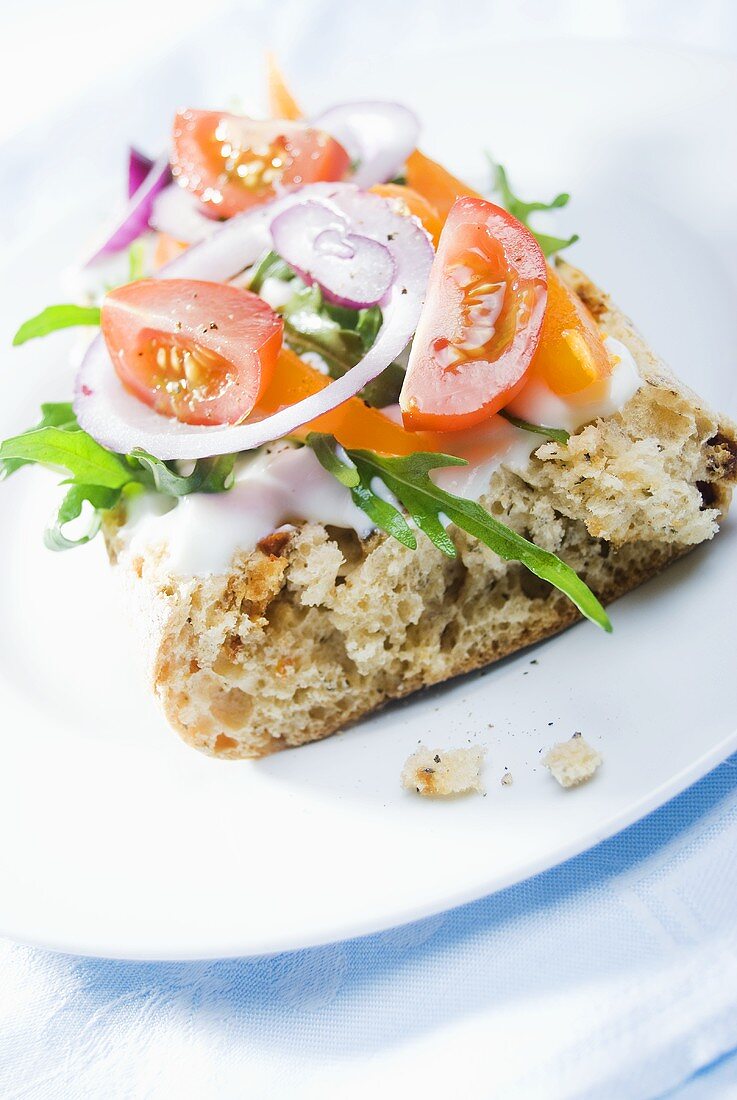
(310, 632)
(439, 773)
(572, 762)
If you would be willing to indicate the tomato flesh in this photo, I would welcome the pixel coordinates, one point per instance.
(571, 355)
(200, 352)
(232, 163)
(481, 320)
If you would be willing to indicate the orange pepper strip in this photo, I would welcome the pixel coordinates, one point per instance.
(415, 203)
(436, 185)
(570, 354)
(354, 424)
(282, 103)
(166, 248)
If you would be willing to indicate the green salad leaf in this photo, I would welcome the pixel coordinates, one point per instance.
(357, 477)
(136, 261)
(209, 475)
(560, 435)
(101, 499)
(385, 388)
(96, 476)
(408, 479)
(100, 477)
(521, 210)
(551, 245)
(308, 327)
(54, 318)
(53, 415)
(334, 459)
(341, 337)
(70, 449)
(368, 323)
(58, 414)
(270, 266)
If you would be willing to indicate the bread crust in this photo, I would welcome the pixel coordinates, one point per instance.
(273, 655)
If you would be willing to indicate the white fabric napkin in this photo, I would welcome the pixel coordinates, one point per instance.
(614, 976)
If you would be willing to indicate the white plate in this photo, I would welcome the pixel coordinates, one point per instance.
(118, 840)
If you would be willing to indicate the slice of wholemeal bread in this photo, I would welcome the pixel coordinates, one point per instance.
(314, 628)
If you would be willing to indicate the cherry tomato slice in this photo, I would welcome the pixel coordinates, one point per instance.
(233, 163)
(201, 352)
(481, 320)
(571, 354)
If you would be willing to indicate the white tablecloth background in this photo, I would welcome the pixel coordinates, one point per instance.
(613, 976)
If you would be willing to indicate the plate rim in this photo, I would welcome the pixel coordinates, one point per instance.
(612, 826)
(617, 822)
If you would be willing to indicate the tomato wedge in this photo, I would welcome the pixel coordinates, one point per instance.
(480, 323)
(571, 354)
(233, 163)
(201, 352)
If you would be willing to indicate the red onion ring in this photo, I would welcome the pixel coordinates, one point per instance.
(120, 422)
(134, 220)
(139, 166)
(316, 239)
(378, 136)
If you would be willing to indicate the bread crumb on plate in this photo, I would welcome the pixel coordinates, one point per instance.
(572, 762)
(438, 773)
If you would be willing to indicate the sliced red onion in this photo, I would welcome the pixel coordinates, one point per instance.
(135, 218)
(181, 214)
(121, 422)
(239, 242)
(139, 166)
(317, 240)
(377, 136)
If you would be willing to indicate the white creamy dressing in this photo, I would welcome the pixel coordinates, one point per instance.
(273, 488)
(539, 405)
(276, 292)
(487, 447)
(284, 484)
